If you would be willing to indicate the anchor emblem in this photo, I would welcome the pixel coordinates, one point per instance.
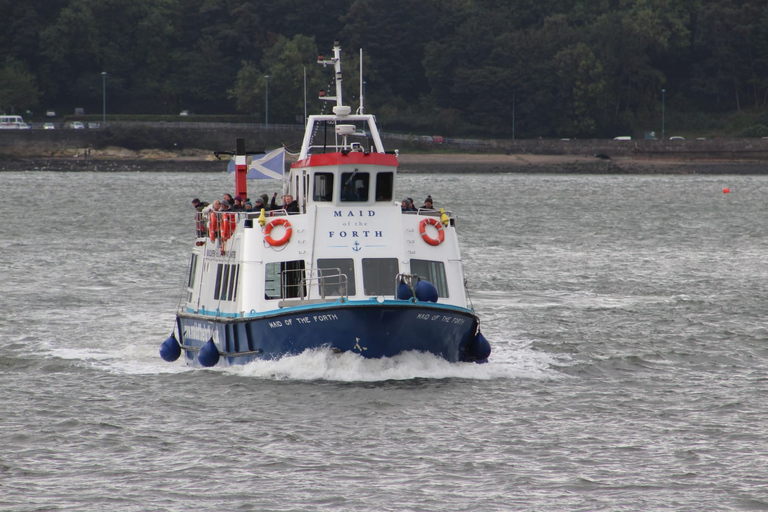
(357, 246)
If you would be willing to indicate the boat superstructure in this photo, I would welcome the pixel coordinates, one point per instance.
(348, 270)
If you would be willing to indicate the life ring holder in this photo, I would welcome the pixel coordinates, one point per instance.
(440, 231)
(279, 221)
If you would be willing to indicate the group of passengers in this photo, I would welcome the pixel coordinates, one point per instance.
(243, 204)
(406, 205)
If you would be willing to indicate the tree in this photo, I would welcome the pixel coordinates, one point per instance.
(18, 90)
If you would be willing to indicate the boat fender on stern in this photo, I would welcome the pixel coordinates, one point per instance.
(279, 221)
(440, 231)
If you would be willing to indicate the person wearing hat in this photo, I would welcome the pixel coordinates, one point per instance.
(405, 206)
(427, 204)
(258, 204)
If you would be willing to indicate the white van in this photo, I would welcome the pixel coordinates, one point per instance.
(623, 137)
(13, 123)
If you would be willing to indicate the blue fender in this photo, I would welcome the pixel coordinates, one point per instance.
(426, 291)
(170, 350)
(404, 291)
(208, 355)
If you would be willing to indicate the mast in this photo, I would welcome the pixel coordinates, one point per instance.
(241, 169)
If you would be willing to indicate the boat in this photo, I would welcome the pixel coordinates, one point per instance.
(348, 271)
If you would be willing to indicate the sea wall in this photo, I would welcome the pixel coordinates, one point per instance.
(180, 136)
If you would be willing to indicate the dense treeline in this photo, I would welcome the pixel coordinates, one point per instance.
(559, 68)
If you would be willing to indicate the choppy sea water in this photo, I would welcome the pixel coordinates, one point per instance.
(627, 316)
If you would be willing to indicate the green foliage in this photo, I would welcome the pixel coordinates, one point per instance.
(18, 91)
(562, 68)
(756, 130)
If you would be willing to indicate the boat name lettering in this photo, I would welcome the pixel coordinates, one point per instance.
(330, 317)
(198, 332)
(215, 253)
(440, 318)
(355, 234)
(351, 213)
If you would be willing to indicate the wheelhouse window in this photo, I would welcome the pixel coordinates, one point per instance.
(284, 280)
(355, 186)
(432, 271)
(322, 188)
(379, 276)
(384, 186)
(333, 274)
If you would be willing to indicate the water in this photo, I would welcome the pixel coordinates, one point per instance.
(626, 314)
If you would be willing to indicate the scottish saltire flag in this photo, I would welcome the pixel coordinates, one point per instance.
(268, 167)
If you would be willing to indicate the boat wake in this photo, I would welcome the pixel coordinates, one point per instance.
(323, 364)
(512, 360)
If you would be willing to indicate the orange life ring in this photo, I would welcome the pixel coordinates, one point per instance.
(213, 226)
(282, 221)
(226, 225)
(440, 231)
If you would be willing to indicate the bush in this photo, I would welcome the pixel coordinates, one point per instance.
(756, 130)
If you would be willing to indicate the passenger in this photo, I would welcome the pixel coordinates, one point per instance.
(411, 205)
(405, 206)
(237, 206)
(229, 199)
(427, 204)
(290, 205)
(273, 203)
(248, 207)
(265, 199)
(199, 205)
(258, 204)
(216, 206)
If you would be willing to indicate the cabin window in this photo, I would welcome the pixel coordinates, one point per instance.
(322, 189)
(354, 186)
(192, 272)
(384, 188)
(284, 280)
(226, 282)
(432, 271)
(379, 276)
(332, 274)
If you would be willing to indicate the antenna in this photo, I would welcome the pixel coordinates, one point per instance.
(362, 86)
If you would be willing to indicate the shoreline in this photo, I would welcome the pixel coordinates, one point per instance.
(409, 163)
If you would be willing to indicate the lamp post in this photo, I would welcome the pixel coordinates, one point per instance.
(104, 98)
(663, 92)
(513, 115)
(266, 116)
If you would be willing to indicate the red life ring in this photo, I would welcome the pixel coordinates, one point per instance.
(281, 221)
(440, 231)
(213, 226)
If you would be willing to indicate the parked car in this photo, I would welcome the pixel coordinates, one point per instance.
(49, 126)
(677, 137)
(94, 126)
(77, 125)
(50, 113)
(623, 137)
